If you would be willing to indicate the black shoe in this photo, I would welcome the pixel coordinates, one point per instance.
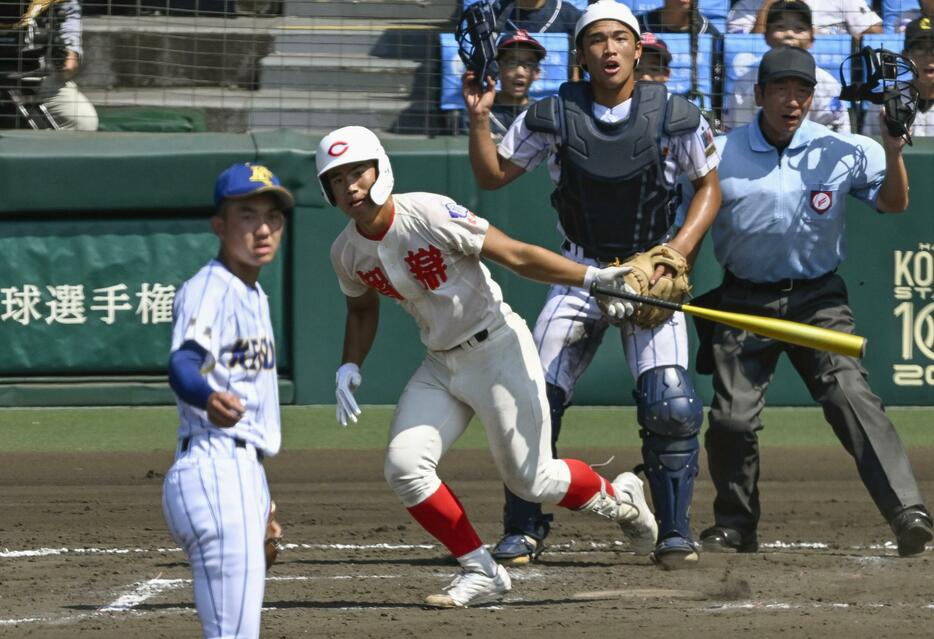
(720, 539)
(913, 529)
(516, 549)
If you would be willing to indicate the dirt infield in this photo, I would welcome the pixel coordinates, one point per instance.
(84, 552)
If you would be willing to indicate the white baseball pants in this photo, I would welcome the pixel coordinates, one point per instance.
(501, 381)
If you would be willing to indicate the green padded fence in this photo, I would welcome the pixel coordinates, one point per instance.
(123, 216)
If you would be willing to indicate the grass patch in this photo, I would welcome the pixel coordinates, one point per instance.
(309, 427)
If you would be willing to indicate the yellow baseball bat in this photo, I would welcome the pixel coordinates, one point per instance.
(822, 339)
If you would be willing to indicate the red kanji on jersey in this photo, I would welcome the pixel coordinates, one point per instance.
(427, 265)
(378, 280)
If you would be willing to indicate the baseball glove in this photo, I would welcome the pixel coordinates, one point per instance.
(669, 288)
(273, 536)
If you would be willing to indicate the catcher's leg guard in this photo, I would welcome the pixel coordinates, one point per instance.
(524, 525)
(671, 416)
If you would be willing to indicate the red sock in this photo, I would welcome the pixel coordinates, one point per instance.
(585, 483)
(444, 518)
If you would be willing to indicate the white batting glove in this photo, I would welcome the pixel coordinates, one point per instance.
(348, 379)
(611, 277)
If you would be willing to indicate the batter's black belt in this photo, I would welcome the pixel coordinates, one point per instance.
(239, 443)
(478, 337)
(781, 286)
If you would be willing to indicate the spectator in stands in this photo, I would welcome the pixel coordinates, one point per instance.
(840, 16)
(919, 47)
(788, 22)
(655, 63)
(674, 17)
(925, 10)
(70, 108)
(546, 16)
(518, 55)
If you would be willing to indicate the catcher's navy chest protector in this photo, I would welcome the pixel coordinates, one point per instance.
(612, 199)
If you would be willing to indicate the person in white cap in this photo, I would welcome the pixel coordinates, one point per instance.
(616, 149)
(423, 251)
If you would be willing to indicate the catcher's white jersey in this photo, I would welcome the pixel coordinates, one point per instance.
(429, 262)
(230, 320)
(692, 154)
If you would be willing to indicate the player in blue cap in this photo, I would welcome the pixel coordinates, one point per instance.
(223, 371)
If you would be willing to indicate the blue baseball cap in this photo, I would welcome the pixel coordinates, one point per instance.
(246, 179)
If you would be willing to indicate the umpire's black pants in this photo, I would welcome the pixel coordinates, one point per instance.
(743, 367)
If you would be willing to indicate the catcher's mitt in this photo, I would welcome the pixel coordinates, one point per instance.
(273, 536)
(669, 288)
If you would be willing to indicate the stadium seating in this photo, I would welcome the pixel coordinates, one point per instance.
(580, 4)
(679, 44)
(743, 51)
(892, 9)
(714, 10)
(554, 69)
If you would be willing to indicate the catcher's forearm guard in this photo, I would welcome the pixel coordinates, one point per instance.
(887, 79)
(476, 34)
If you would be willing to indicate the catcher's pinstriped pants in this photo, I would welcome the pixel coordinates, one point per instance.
(744, 364)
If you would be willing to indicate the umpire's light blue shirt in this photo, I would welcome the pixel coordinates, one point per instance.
(782, 215)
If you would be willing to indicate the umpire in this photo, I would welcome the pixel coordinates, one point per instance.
(780, 235)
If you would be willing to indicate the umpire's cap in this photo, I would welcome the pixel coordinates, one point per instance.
(246, 179)
(787, 62)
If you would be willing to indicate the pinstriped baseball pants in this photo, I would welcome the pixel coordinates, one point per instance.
(216, 501)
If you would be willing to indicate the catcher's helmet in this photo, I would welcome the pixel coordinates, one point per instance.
(887, 78)
(351, 144)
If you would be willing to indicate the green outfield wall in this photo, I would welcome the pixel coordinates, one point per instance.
(99, 230)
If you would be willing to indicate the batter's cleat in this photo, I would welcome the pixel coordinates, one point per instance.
(516, 549)
(675, 553)
(913, 529)
(721, 539)
(637, 521)
(472, 589)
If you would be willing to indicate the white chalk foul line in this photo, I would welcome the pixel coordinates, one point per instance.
(140, 591)
(568, 548)
(6, 553)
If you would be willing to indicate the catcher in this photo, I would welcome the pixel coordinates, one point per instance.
(616, 199)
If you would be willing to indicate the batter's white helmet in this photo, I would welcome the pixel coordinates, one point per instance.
(351, 144)
(605, 10)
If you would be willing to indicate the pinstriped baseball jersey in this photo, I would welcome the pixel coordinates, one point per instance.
(428, 261)
(230, 320)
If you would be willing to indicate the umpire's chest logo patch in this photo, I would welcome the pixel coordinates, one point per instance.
(821, 201)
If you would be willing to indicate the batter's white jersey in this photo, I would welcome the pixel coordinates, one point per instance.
(230, 320)
(429, 262)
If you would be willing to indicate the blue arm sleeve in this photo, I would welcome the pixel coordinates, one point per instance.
(185, 376)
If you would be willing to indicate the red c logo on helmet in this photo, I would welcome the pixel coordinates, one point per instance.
(338, 148)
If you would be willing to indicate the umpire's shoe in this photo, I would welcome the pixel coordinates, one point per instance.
(913, 529)
(721, 539)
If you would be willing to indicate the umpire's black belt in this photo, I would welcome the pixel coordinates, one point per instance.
(781, 286)
(239, 443)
